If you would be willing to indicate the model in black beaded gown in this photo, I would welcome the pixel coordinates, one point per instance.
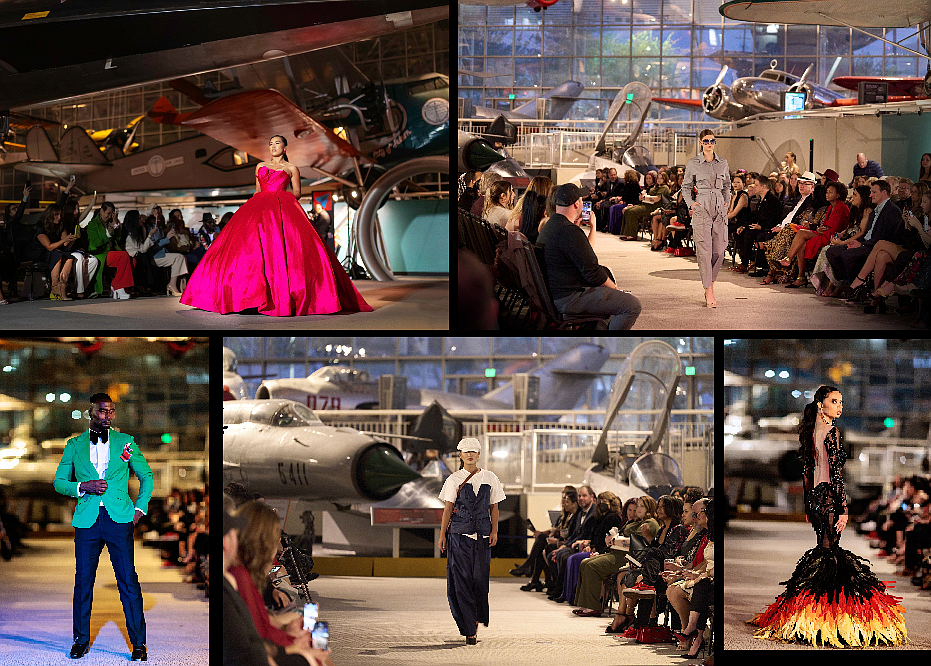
(833, 597)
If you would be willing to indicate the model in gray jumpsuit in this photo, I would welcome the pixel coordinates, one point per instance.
(709, 218)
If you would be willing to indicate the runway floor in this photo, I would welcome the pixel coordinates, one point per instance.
(671, 295)
(757, 555)
(36, 591)
(406, 303)
(402, 621)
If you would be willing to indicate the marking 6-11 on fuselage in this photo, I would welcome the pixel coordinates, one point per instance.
(300, 479)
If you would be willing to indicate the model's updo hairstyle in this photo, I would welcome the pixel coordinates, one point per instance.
(284, 155)
(806, 429)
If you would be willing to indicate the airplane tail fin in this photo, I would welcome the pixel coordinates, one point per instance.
(563, 380)
(163, 112)
(78, 148)
(39, 147)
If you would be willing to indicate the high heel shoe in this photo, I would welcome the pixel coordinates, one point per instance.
(701, 641)
(623, 626)
(877, 306)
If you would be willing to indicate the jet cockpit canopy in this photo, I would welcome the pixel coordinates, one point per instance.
(280, 413)
(339, 374)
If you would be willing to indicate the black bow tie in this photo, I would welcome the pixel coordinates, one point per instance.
(97, 437)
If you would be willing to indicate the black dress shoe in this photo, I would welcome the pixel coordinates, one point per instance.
(139, 653)
(78, 650)
(470, 640)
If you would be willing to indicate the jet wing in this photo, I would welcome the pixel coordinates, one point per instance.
(247, 120)
(820, 12)
(901, 86)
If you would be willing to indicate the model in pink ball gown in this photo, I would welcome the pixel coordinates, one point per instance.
(270, 257)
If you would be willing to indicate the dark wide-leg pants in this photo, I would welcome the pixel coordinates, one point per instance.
(88, 542)
(468, 562)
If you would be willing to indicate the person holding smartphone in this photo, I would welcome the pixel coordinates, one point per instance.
(470, 520)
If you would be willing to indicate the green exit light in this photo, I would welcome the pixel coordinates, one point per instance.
(510, 96)
(889, 423)
(690, 369)
(489, 373)
(166, 438)
(630, 97)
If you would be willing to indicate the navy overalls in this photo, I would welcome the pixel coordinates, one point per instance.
(468, 560)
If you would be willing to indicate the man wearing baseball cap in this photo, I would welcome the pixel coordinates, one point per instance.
(577, 283)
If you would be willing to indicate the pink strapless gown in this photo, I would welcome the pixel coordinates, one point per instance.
(270, 257)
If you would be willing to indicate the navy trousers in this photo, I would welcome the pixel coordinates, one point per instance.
(88, 542)
(467, 565)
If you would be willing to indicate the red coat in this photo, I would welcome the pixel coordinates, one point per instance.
(835, 220)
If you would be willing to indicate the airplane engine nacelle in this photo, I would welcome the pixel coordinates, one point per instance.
(718, 103)
(815, 96)
(476, 153)
(805, 88)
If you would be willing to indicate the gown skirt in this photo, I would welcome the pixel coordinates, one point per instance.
(270, 257)
(833, 598)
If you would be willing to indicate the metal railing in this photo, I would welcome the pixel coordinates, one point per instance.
(529, 456)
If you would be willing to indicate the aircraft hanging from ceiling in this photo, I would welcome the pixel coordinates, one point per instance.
(845, 13)
(535, 5)
(750, 95)
(95, 45)
(561, 97)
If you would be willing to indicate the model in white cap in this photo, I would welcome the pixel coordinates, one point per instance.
(470, 521)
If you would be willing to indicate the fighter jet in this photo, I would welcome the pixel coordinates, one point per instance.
(281, 449)
(647, 380)
(563, 381)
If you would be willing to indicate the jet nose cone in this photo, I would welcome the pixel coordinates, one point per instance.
(381, 472)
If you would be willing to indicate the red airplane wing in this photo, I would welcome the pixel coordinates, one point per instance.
(910, 86)
(687, 104)
(247, 120)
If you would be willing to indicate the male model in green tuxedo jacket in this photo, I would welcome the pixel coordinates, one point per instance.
(95, 468)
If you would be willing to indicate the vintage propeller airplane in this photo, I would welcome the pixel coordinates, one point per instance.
(844, 13)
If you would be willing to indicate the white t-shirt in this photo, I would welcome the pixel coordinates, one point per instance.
(451, 488)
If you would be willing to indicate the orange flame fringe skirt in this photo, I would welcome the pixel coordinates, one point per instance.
(833, 598)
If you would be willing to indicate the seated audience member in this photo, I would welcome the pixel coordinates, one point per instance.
(468, 190)
(777, 248)
(242, 645)
(808, 242)
(885, 225)
(498, 203)
(924, 173)
(629, 196)
(488, 179)
(577, 283)
(896, 267)
(766, 216)
(866, 168)
(531, 208)
(655, 188)
(861, 212)
(595, 570)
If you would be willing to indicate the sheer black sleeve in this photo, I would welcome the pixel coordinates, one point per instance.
(837, 456)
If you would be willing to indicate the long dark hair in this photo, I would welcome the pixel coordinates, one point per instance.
(284, 155)
(806, 429)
